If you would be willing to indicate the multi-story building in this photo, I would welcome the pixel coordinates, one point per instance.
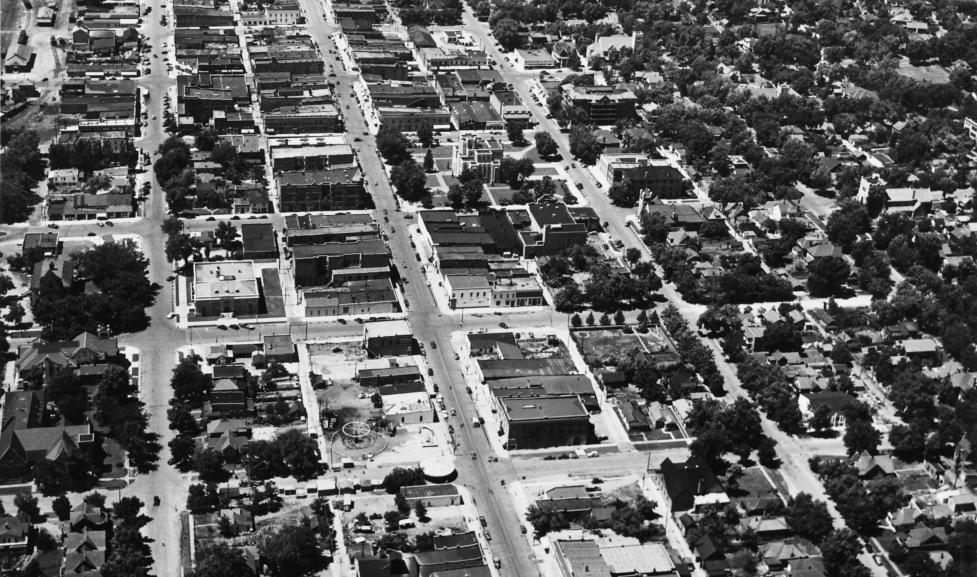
(408, 119)
(304, 118)
(657, 176)
(337, 189)
(543, 422)
(605, 105)
(365, 297)
(511, 107)
(225, 287)
(318, 265)
(311, 157)
(274, 15)
(481, 155)
(322, 228)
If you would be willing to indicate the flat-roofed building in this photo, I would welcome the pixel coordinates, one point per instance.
(336, 189)
(355, 298)
(229, 286)
(323, 228)
(311, 157)
(604, 105)
(316, 265)
(407, 119)
(657, 176)
(533, 59)
(544, 422)
(304, 118)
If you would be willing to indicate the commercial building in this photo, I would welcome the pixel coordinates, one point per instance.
(544, 422)
(304, 118)
(225, 287)
(317, 265)
(323, 228)
(604, 105)
(337, 189)
(432, 495)
(408, 119)
(311, 157)
(407, 403)
(533, 59)
(475, 116)
(362, 297)
(258, 241)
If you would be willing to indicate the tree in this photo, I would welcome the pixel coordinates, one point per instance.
(95, 499)
(514, 132)
(545, 145)
(61, 507)
(632, 255)
(226, 234)
(201, 499)
(821, 419)
(424, 541)
(590, 319)
(839, 550)
(845, 224)
(401, 503)
(392, 145)
(210, 464)
(291, 552)
(182, 450)
(513, 172)
(619, 318)
(861, 436)
(506, 31)
(428, 161)
(546, 520)
(402, 477)
(425, 135)
(808, 518)
(421, 511)
(409, 180)
(623, 194)
(584, 145)
(472, 192)
(190, 384)
(220, 560)
(27, 508)
(827, 276)
(604, 320)
(15, 313)
(456, 197)
(568, 299)
(575, 321)
(180, 247)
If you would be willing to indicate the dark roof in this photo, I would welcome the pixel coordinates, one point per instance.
(380, 567)
(457, 540)
(258, 237)
(550, 213)
(402, 388)
(685, 481)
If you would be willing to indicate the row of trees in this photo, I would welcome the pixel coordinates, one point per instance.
(21, 168)
(691, 350)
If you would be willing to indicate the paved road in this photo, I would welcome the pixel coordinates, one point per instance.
(792, 451)
(480, 476)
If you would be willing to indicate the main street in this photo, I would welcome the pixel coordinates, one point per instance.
(478, 474)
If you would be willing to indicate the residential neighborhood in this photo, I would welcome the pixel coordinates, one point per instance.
(488, 288)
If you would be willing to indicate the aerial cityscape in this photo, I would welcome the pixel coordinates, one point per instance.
(488, 288)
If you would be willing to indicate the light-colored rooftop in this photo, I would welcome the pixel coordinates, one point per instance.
(229, 278)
